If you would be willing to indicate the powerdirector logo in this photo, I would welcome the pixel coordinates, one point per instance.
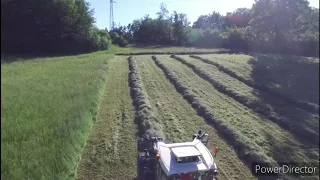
(291, 169)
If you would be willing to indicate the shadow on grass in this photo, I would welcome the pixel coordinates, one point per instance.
(284, 154)
(148, 46)
(157, 46)
(291, 76)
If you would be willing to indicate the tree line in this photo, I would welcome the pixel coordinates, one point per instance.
(67, 26)
(50, 27)
(276, 26)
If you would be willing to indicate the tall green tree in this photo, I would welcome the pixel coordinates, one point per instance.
(213, 20)
(242, 12)
(180, 27)
(164, 22)
(46, 26)
(272, 19)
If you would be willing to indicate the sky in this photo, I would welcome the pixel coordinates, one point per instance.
(125, 11)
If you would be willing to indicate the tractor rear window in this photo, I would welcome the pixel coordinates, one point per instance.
(188, 159)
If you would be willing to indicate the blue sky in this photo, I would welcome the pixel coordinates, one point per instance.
(125, 11)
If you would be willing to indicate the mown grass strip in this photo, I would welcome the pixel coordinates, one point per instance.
(148, 124)
(257, 106)
(310, 107)
(111, 148)
(245, 149)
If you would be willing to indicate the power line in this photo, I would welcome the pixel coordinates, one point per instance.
(111, 15)
(111, 25)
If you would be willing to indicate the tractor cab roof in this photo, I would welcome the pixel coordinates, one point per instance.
(185, 157)
(185, 151)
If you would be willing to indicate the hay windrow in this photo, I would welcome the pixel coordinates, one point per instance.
(178, 53)
(256, 106)
(147, 122)
(307, 106)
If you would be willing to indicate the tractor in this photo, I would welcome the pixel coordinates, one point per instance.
(192, 160)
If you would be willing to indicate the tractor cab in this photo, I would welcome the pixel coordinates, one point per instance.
(178, 161)
(191, 159)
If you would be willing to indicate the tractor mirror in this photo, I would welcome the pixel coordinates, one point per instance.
(204, 139)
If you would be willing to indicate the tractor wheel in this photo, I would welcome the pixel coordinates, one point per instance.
(212, 177)
(140, 145)
(141, 166)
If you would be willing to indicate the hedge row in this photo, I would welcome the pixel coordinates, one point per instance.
(178, 53)
(248, 151)
(307, 106)
(257, 106)
(148, 124)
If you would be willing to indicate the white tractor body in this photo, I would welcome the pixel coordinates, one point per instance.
(179, 158)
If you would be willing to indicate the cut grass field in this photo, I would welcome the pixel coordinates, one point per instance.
(301, 123)
(310, 107)
(180, 121)
(292, 76)
(74, 117)
(48, 108)
(265, 138)
(162, 49)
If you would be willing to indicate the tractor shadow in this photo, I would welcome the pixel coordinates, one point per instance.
(291, 76)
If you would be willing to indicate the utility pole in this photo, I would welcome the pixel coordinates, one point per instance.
(111, 15)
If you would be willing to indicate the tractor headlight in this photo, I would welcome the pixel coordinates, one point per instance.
(215, 172)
